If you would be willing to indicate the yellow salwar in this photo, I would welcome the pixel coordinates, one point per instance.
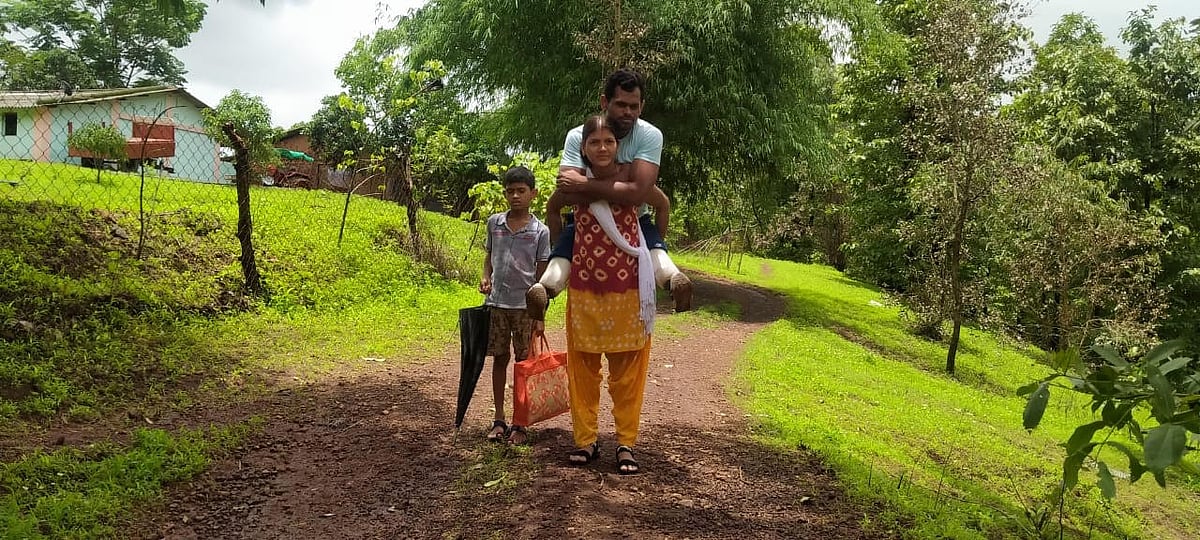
(603, 319)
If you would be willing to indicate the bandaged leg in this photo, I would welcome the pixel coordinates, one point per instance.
(664, 268)
(554, 279)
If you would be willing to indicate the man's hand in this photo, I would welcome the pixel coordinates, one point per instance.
(572, 181)
(539, 329)
(485, 286)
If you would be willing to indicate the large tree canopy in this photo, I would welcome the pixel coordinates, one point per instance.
(740, 89)
(95, 43)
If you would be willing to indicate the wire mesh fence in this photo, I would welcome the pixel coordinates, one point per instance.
(163, 163)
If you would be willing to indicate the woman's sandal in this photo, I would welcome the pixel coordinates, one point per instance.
(589, 454)
(498, 437)
(518, 429)
(628, 465)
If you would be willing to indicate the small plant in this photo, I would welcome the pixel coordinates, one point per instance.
(1120, 389)
(101, 142)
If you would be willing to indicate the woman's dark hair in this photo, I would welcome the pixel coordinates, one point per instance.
(627, 80)
(591, 125)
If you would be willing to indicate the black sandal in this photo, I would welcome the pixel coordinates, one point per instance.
(497, 437)
(627, 462)
(589, 454)
(517, 429)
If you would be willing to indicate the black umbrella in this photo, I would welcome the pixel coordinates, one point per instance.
(473, 330)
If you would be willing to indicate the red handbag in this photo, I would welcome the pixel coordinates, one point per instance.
(540, 389)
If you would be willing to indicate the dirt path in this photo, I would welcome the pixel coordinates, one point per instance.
(372, 457)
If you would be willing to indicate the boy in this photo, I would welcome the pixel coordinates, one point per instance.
(518, 247)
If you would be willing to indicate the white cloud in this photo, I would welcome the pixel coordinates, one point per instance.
(285, 52)
(1110, 15)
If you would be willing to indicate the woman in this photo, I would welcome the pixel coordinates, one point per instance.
(610, 308)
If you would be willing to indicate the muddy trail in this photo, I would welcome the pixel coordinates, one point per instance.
(374, 455)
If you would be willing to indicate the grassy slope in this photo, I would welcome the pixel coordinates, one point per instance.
(841, 376)
(89, 329)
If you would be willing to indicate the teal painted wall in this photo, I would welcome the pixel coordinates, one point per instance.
(18, 146)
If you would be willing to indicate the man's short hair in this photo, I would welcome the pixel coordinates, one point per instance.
(625, 79)
(520, 174)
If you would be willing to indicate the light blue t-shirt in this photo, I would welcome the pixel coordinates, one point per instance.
(643, 142)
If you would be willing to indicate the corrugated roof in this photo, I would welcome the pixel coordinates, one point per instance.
(28, 100)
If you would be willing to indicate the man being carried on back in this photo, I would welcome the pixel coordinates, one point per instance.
(640, 145)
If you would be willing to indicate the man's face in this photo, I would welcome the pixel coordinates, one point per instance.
(623, 109)
(519, 195)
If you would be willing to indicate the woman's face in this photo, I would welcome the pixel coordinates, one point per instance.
(600, 147)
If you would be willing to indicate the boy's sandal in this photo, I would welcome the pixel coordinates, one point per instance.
(493, 435)
(517, 429)
(588, 455)
(627, 465)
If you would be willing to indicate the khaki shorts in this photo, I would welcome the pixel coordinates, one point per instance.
(509, 327)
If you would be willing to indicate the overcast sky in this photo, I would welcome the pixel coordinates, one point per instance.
(286, 52)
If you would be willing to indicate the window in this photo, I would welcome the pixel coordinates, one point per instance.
(10, 124)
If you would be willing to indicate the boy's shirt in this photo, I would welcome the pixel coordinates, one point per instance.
(514, 259)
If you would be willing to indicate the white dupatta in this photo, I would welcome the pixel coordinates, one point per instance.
(604, 217)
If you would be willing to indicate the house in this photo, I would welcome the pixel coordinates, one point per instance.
(320, 174)
(36, 126)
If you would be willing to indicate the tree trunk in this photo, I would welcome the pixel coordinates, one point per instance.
(406, 194)
(956, 292)
(241, 167)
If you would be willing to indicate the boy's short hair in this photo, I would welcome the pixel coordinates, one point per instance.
(520, 174)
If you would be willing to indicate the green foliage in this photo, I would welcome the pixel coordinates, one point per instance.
(489, 198)
(109, 44)
(83, 492)
(102, 141)
(1127, 124)
(251, 120)
(338, 130)
(1068, 263)
(718, 72)
(884, 410)
(78, 327)
(86, 327)
(964, 155)
(1120, 390)
(872, 115)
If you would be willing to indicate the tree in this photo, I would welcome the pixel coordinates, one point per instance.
(965, 150)
(100, 141)
(1166, 61)
(243, 122)
(337, 129)
(1129, 124)
(741, 90)
(122, 42)
(391, 100)
(1069, 264)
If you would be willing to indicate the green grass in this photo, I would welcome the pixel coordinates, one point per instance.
(945, 457)
(87, 328)
(91, 327)
(88, 492)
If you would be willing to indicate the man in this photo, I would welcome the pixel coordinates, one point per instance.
(640, 144)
